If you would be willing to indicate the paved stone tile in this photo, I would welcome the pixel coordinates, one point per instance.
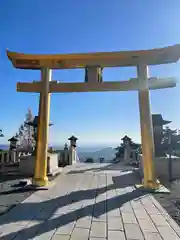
(112, 235)
(152, 236)
(152, 210)
(45, 214)
(158, 205)
(141, 214)
(60, 237)
(10, 232)
(80, 233)
(167, 233)
(83, 223)
(173, 224)
(115, 224)
(114, 213)
(30, 230)
(97, 238)
(129, 218)
(66, 229)
(133, 231)
(147, 225)
(45, 236)
(137, 205)
(158, 219)
(126, 208)
(98, 229)
(100, 207)
(101, 218)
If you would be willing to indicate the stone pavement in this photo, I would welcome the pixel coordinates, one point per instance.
(90, 201)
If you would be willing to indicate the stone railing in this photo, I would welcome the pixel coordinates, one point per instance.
(8, 157)
(11, 157)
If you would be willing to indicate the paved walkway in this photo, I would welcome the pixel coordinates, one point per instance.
(93, 201)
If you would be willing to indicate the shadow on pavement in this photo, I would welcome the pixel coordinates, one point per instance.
(28, 211)
(109, 167)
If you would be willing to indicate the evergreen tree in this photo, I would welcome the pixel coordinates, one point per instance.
(29, 130)
(20, 136)
(1, 134)
(170, 141)
(25, 133)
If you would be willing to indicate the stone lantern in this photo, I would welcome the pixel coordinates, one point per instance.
(127, 148)
(73, 140)
(13, 143)
(126, 140)
(72, 150)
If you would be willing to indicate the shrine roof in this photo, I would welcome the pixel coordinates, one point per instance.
(13, 139)
(73, 138)
(158, 120)
(126, 138)
(101, 59)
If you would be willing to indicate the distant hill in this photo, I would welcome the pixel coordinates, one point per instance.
(107, 153)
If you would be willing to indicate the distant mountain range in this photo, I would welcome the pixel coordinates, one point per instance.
(107, 153)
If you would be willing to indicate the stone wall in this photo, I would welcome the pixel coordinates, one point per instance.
(27, 164)
(161, 165)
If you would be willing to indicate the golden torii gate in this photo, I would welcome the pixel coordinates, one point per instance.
(93, 63)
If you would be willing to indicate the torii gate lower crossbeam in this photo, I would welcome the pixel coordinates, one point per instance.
(140, 59)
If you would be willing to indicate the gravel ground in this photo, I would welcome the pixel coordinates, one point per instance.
(171, 201)
(10, 194)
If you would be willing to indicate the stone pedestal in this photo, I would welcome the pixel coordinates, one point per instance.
(27, 165)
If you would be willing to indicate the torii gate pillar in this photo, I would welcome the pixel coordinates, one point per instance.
(40, 173)
(147, 139)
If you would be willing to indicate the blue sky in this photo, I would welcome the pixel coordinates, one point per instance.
(44, 26)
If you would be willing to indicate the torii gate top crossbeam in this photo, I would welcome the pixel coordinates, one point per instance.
(103, 59)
